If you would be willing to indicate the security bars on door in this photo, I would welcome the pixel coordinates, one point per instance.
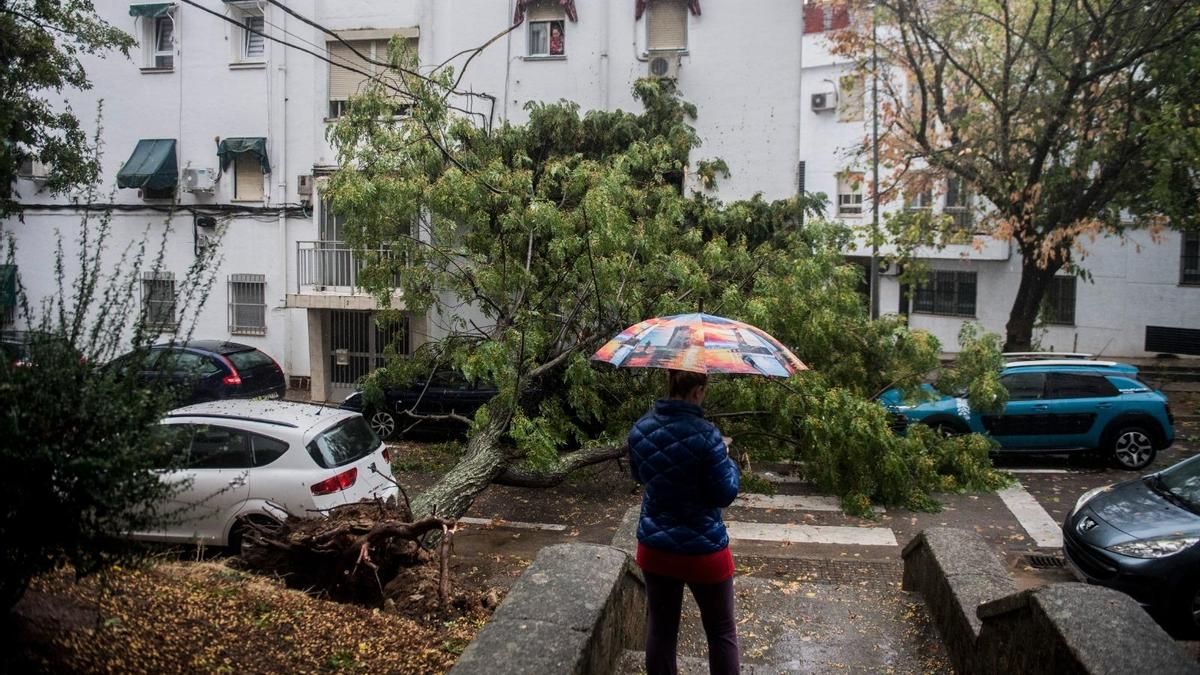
(357, 345)
(247, 304)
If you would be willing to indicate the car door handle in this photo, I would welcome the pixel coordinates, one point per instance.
(1104, 406)
(238, 482)
(1041, 406)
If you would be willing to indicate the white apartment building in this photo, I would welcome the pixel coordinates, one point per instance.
(232, 125)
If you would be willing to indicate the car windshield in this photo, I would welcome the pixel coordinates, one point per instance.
(249, 359)
(1182, 481)
(348, 441)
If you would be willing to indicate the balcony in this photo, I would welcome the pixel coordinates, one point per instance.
(327, 276)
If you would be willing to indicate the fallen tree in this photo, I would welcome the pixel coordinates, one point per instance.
(530, 245)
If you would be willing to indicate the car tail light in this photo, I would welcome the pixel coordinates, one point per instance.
(338, 483)
(233, 380)
(387, 456)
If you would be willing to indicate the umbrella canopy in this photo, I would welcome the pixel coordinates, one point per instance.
(701, 343)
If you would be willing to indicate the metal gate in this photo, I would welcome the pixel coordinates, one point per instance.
(357, 345)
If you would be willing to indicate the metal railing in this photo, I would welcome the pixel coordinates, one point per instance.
(330, 266)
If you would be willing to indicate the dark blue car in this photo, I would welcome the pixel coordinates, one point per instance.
(208, 370)
(1142, 537)
(1058, 405)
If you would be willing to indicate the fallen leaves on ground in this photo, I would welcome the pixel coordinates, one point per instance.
(207, 617)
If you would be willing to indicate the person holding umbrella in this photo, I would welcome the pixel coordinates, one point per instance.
(683, 462)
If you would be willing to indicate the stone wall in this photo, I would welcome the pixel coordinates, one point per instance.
(1059, 629)
(575, 610)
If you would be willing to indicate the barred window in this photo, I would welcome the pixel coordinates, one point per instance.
(946, 293)
(247, 304)
(958, 204)
(1058, 305)
(850, 194)
(1189, 268)
(158, 300)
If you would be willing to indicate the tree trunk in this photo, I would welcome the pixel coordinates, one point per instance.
(1034, 280)
(521, 475)
(483, 461)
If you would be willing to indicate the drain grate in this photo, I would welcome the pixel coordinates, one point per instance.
(1045, 562)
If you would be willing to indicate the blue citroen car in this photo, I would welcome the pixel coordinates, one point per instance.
(1057, 405)
(1142, 537)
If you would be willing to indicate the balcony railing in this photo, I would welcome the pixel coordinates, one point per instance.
(330, 266)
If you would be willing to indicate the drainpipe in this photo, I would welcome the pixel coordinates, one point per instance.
(282, 198)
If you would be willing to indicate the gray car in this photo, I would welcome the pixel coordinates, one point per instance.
(1142, 537)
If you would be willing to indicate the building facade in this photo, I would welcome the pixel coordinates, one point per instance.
(233, 100)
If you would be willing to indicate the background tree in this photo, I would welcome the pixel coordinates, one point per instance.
(1060, 114)
(536, 243)
(40, 46)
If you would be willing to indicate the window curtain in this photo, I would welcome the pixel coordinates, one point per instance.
(522, 5)
(693, 5)
(228, 148)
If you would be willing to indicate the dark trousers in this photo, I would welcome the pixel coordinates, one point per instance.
(664, 602)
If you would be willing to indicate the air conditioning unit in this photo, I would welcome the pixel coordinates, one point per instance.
(824, 102)
(33, 170)
(304, 185)
(199, 180)
(663, 65)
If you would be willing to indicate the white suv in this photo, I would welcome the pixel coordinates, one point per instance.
(262, 460)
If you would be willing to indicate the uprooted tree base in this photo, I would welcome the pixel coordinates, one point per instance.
(367, 553)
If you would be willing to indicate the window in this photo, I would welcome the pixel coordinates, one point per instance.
(1189, 267)
(349, 441)
(158, 300)
(220, 448)
(247, 178)
(958, 204)
(163, 36)
(344, 82)
(1024, 386)
(821, 16)
(1058, 305)
(547, 29)
(946, 293)
(918, 196)
(254, 45)
(186, 364)
(1078, 385)
(850, 98)
(247, 304)
(266, 450)
(667, 25)
(850, 194)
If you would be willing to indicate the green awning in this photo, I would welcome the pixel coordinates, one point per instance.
(152, 166)
(229, 148)
(151, 9)
(8, 285)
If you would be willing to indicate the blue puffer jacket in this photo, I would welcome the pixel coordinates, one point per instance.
(680, 458)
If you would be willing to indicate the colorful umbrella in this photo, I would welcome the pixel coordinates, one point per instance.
(701, 343)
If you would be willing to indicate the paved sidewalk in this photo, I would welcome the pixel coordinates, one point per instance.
(810, 615)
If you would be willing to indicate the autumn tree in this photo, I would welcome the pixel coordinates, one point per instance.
(1064, 116)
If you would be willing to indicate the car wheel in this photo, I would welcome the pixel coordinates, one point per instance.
(1132, 448)
(383, 423)
(241, 545)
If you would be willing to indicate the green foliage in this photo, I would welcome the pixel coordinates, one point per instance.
(43, 42)
(752, 482)
(533, 244)
(80, 435)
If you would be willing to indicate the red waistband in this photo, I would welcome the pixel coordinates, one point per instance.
(702, 568)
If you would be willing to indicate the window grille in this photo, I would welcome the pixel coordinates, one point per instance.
(1058, 305)
(946, 293)
(158, 300)
(247, 304)
(1189, 267)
